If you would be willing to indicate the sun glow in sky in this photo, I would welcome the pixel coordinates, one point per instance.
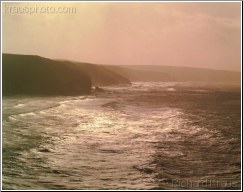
(129, 33)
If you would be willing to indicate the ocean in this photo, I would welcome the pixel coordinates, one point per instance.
(150, 135)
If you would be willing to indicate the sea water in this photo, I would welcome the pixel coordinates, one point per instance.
(145, 136)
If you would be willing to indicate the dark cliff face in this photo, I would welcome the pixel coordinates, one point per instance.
(34, 75)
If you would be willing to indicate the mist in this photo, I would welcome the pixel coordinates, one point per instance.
(205, 35)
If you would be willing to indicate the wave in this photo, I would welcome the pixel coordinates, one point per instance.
(159, 135)
(11, 118)
(171, 89)
(19, 105)
(27, 114)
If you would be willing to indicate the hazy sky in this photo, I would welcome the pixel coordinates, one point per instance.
(140, 33)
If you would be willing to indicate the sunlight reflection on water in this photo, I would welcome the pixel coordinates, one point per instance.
(116, 140)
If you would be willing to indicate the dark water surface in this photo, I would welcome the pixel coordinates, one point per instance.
(147, 136)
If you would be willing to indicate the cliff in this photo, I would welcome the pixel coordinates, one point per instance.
(34, 75)
(101, 75)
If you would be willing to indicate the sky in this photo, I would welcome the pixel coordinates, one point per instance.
(194, 34)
